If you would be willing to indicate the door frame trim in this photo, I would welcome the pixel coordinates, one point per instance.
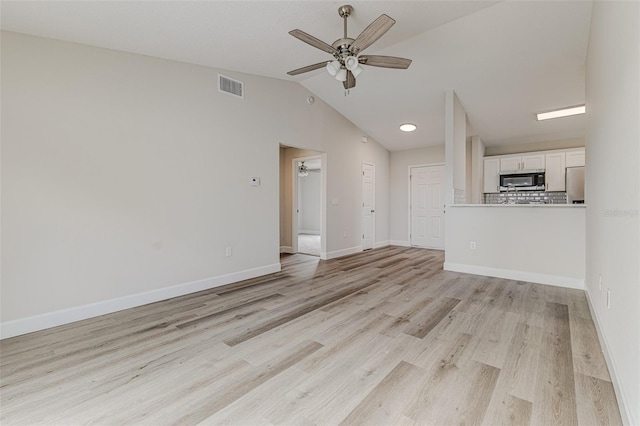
(412, 166)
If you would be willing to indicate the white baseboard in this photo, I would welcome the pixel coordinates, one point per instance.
(400, 243)
(627, 418)
(308, 232)
(511, 274)
(78, 313)
(340, 253)
(286, 249)
(380, 244)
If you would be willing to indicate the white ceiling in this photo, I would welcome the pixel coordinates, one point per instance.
(505, 60)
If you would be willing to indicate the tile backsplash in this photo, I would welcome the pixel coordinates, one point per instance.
(526, 197)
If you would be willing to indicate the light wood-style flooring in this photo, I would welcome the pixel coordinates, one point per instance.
(383, 337)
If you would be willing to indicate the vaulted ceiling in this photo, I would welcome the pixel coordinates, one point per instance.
(505, 60)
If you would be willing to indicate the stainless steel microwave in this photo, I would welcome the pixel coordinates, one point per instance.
(532, 181)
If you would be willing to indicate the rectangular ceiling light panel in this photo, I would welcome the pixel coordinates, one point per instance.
(565, 112)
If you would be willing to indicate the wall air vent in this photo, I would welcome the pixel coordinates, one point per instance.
(230, 86)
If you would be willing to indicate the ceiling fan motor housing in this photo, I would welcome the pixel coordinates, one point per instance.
(343, 46)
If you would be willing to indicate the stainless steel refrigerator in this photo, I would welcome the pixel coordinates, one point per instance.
(575, 185)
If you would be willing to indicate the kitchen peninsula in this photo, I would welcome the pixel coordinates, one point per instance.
(540, 243)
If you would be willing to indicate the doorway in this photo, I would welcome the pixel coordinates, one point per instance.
(290, 157)
(308, 205)
(426, 206)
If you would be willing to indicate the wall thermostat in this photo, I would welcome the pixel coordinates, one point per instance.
(255, 181)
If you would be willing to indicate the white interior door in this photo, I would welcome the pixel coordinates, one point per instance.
(427, 207)
(368, 205)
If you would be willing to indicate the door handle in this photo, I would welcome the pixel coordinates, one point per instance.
(373, 211)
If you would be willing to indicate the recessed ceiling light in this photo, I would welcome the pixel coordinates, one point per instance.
(565, 112)
(407, 127)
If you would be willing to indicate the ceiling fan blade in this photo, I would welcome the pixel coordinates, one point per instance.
(350, 81)
(385, 61)
(373, 32)
(311, 40)
(308, 68)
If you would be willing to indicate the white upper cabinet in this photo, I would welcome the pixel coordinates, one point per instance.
(520, 163)
(510, 164)
(575, 158)
(533, 162)
(491, 175)
(555, 171)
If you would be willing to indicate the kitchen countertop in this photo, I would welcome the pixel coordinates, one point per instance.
(555, 206)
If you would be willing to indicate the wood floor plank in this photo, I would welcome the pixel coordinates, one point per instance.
(555, 400)
(596, 401)
(496, 337)
(470, 409)
(430, 316)
(509, 410)
(330, 388)
(323, 342)
(520, 368)
(238, 389)
(442, 368)
(385, 404)
(587, 359)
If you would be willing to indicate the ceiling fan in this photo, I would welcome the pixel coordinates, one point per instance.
(346, 64)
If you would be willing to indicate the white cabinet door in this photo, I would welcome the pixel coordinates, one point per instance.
(555, 171)
(532, 162)
(575, 158)
(491, 175)
(510, 164)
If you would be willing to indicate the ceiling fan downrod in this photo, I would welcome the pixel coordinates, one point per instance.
(344, 12)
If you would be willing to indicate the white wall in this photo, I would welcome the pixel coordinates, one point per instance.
(456, 149)
(477, 170)
(399, 187)
(535, 146)
(124, 177)
(309, 202)
(613, 191)
(541, 244)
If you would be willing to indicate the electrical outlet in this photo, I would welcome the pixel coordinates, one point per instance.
(608, 298)
(229, 251)
(472, 245)
(345, 234)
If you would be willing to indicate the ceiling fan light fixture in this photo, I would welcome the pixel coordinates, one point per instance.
(341, 75)
(303, 171)
(333, 67)
(408, 127)
(351, 63)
